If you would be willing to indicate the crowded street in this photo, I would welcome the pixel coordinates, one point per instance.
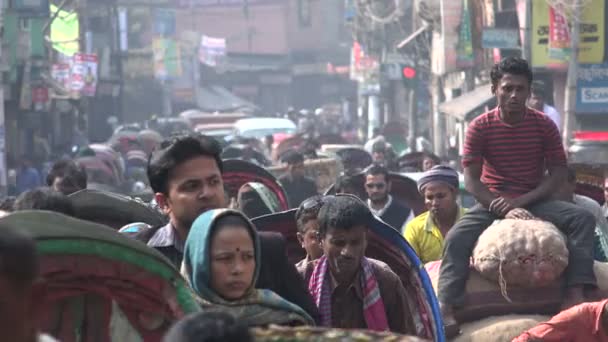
(304, 170)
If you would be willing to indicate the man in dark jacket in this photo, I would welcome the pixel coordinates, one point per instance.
(381, 203)
(297, 186)
(186, 177)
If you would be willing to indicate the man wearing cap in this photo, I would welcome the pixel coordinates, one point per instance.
(439, 188)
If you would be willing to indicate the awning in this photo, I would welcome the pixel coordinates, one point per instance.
(467, 106)
(220, 99)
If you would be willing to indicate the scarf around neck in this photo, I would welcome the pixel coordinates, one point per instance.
(373, 306)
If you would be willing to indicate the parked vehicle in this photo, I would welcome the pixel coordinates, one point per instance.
(260, 127)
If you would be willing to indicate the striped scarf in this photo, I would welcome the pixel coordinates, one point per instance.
(373, 307)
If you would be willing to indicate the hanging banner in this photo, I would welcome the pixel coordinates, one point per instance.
(61, 74)
(84, 74)
(167, 63)
(465, 57)
(362, 66)
(559, 36)
(212, 50)
(592, 36)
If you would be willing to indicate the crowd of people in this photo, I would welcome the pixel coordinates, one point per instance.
(514, 165)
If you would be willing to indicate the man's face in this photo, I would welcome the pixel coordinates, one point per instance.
(440, 199)
(512, 91)
(296, 170)
(536, 101)
(194, 187)
(16, 308)
(377, 188)
(310, 239)
(65, 186)
(344, 250)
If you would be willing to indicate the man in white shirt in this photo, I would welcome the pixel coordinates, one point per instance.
(537, 101)
(566, 193)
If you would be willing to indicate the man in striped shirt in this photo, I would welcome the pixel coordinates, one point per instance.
(507, 151)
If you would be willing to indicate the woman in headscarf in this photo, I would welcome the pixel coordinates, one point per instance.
(222, 260)
(255, 200)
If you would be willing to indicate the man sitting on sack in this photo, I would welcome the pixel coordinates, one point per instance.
(506, 153)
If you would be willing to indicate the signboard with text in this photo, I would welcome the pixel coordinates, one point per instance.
(84, 74)
(592, 36)
(592, 89)
(499, 38)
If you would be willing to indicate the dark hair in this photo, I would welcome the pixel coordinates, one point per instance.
(44, 199)
(70, 171)
(209, 326)
(18, 255)
(293, 157)
(571, 174)
(307, 211)
(377, 169)
(8, 203)
(343, 212)
(176, 151)
(513, 66)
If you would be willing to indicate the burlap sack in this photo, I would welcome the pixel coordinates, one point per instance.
(483, 298)
(498, 329)
(527, 253)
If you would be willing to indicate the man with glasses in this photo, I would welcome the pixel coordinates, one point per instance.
(380, 202)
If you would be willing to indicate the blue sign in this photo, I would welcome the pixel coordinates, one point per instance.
(592, 89)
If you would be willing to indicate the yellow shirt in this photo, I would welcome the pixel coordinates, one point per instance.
(425, 237)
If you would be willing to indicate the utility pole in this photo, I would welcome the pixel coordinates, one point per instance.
(3, 165)
(413, 100)
(527, 41)
(570, 95)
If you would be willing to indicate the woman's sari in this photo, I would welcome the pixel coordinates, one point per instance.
(257, 307)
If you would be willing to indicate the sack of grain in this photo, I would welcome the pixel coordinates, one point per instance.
(483, 298)
(499, 328)
(527, 253)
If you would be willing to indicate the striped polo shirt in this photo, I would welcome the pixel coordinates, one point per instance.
(514, 157)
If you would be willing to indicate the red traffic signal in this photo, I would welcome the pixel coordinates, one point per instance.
(408, 72)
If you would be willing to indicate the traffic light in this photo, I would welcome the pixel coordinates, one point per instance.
(409, 75)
